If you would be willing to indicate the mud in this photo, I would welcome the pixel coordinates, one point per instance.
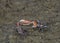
(12, 11)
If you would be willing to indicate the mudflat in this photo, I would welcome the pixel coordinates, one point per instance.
(11, 11)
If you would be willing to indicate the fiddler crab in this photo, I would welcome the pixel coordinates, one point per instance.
(35, 24)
